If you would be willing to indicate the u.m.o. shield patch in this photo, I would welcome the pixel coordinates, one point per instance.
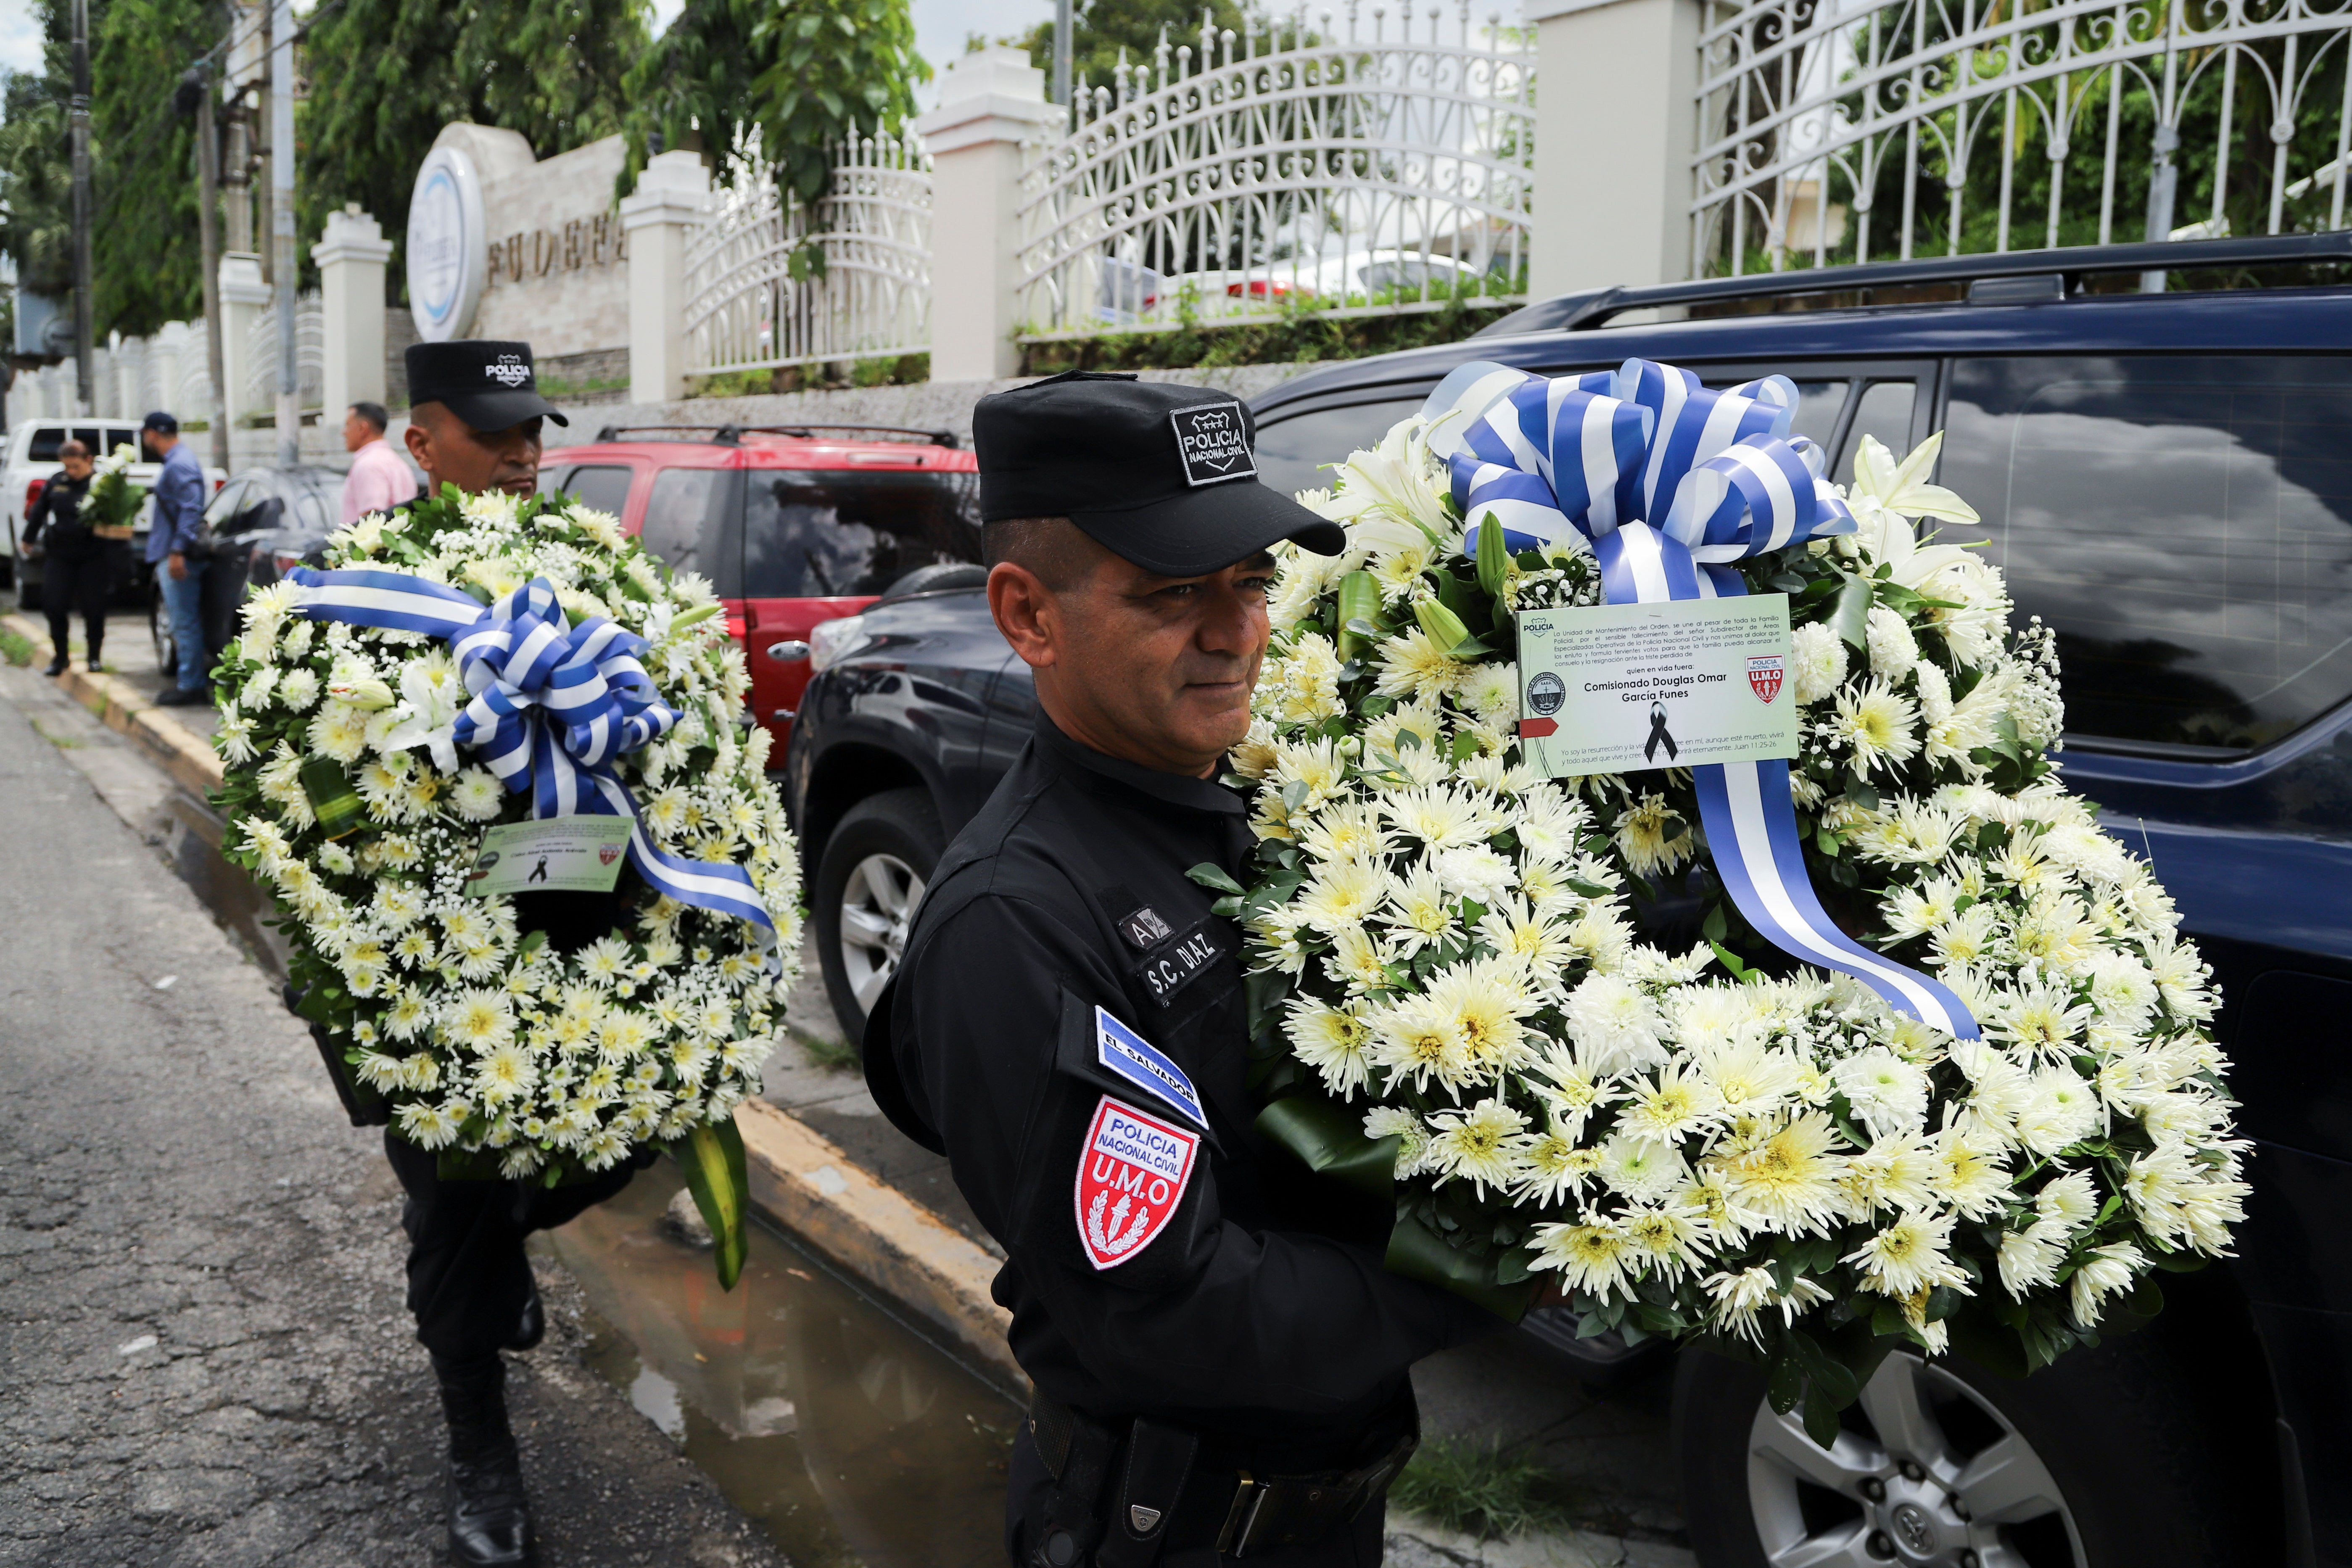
(1131, 1175)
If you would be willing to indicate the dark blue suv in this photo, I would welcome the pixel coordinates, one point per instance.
(2167, 479)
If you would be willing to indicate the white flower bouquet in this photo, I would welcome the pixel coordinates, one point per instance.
(1531, 1009)
(484, 659)
(113, 501)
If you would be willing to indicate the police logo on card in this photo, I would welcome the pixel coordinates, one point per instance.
(1764, 676)
(1214, 440)
(1131, 1176)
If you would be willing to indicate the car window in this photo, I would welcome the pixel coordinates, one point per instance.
(94, 437)
(1883, 411)
(227, 501)
(685, 519)
(125, 435)
(811, 534)
(1292, 452)
(2183, 524)
(46, 439)
(553, 479)
(606, 486)
(310, 512)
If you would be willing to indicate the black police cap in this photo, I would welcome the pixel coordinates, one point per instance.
(487, 383)
(1163, 474)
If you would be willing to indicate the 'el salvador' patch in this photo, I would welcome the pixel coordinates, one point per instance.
(1131, 1176)
(1144, 1064)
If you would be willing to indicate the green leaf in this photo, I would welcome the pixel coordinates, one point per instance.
(1850, 618)
(1328, 1139)
(1821, 1417)
(1360, 613)
(1715, 928)
(1209, 874)
(718, 1176)
(1418, 1252)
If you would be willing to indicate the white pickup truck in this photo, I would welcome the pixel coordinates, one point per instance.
(32, 458)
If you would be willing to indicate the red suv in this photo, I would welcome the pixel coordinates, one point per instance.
(794, 525)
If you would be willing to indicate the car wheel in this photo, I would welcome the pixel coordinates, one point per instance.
(2098, 1462)
(868, 884)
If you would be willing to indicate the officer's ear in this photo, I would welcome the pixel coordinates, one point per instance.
(1034, 561)
(1026, 612)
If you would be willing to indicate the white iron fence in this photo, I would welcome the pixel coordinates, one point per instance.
(771, 282)
(1351, 175)
(1834, 131)
(310, 353)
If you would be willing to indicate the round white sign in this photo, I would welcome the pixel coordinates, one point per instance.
(448, 254)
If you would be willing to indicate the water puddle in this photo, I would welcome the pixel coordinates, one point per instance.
(846, 1435)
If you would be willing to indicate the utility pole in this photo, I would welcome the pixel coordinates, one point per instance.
(1061, 46)
(80, 130)
(208, 231)
(287, 270)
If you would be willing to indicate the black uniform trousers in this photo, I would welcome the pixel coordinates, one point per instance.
(467, 1278)
(81, 576)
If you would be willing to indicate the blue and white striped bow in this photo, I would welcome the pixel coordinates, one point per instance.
(552, 705)
(1670, 483)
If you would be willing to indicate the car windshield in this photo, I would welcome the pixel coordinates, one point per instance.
(811, 534)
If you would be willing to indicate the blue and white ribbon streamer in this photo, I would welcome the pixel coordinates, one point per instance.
(552, 705)
(1669, 482)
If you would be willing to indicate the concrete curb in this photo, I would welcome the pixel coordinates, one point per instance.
(179, 750)
(799, 1180)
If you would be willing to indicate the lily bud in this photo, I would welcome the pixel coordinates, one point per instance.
(369, 694)
(1443, 626)
(1360, 600)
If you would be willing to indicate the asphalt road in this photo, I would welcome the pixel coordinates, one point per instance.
(204, 1355)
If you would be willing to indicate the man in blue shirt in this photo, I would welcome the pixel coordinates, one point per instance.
(172, 540)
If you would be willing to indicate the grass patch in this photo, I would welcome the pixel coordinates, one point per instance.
(890, 370)
(1302, 332)
(1487, 1491)
(14, 647)
(833, 1056)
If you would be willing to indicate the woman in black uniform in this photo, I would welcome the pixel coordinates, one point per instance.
(82, 568)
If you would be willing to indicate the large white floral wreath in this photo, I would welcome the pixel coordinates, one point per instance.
(1460, 995)
(365, 761)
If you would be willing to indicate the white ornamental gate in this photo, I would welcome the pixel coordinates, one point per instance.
(771, 283)
(1858, 132)
(1355, 175)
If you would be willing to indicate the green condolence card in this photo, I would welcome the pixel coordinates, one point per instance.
(562, 855)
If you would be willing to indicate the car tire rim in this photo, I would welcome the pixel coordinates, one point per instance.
(1925, 1474)
(878, 905)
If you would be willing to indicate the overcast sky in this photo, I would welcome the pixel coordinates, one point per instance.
(20, 37)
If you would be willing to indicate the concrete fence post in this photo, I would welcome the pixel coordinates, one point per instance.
(672, 197)
(989, 102)
(244, 296)
(168, 355)
(350, 255)
(1612, 208)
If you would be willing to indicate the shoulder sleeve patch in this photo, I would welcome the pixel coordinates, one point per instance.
(1144, 1064)
(1132, 1174)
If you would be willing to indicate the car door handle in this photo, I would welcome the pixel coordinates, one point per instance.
(788, 652)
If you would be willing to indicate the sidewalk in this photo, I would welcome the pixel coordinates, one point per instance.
(206, 1357)
(830, 1169)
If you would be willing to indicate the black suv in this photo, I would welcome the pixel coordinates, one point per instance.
(2167, 479)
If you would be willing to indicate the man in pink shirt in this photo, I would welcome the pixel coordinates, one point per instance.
(379, 479)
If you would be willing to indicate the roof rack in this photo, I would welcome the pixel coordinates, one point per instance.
(724, 434)
(1593, 307)
(936, 438)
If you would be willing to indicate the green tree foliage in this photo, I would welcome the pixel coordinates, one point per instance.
(146, 267)
(797, 77)
(35, 185)
(1103, 30)
(386, 75)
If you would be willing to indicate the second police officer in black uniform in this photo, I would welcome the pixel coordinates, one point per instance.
(1219, 1357)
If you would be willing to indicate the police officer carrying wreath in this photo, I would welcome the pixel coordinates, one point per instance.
(1219, 1358)
(474, 422)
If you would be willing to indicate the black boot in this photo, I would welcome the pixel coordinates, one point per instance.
(57, 665)
(488, 1521)
(96, 660)
(531, 1326)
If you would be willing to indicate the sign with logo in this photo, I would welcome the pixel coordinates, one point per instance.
(1608, 689)
(1132, 1173)
(1214, 440)
(448, 252)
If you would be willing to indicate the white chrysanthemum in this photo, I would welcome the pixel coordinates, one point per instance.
(1589, 1256)
(1643, 839)
(1888, 641)
(1415, 1039)
(1888, 1094)
(1476, 873)
(505, 1073)
(298, 688)
(2107, 1271)
(428, 1125)
(1412, 666)
(1483, 1145)
(1819, 663)
(478, 1021)
(1614, 1025)
(1787, 1175)
(1739, 1297)
(1907, 1257)
(339, 729)
(1681, 1102)
(1330, 1041)
(1640, 1170)
(1411, 1135)
(1879, 725)
(477, 796)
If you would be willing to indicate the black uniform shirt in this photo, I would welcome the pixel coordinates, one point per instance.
(1253, 1312)
(56, 522)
